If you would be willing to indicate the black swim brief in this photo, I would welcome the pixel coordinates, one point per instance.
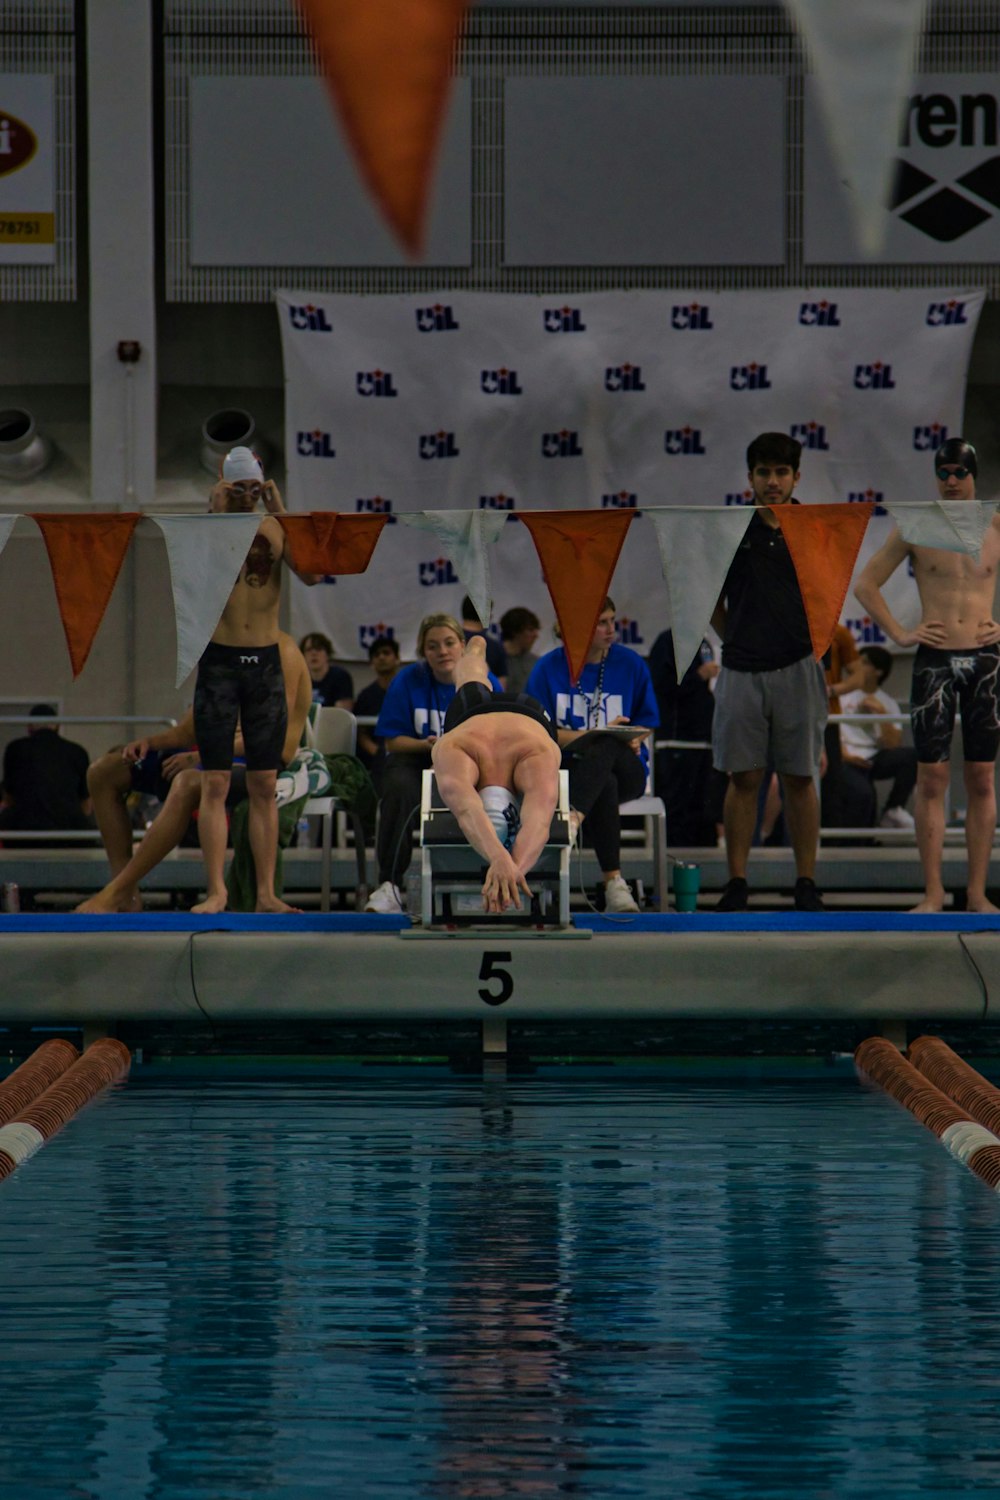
(243, 683)
(476, 698)
(944, 680)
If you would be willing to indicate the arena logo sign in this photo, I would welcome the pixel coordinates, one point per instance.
(18, 143)
(308, 319)
(497, 502)
(620, 500)
(946, 185)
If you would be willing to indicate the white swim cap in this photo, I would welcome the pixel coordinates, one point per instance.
(503, 811)
(242, 463)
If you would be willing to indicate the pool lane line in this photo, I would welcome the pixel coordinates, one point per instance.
(34, 1076)
(968, 1141)
(103, 1063)
(961, 1082)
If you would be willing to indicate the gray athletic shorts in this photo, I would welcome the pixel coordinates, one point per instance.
(770, 716)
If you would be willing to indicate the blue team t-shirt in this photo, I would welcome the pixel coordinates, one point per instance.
(416, 703)
(626, 691)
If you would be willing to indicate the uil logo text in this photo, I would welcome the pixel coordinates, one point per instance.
(375, 383)
(819, 315)
(749, 378)
(563, 320)
(561, 445)
(438, 445)
(683, 441)
(436, 319)
(623, 378)
(502, 382)
(438, 570)
(310, 319)
(314, 445)
(690, 319)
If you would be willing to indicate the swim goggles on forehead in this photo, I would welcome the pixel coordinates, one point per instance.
(957, 471)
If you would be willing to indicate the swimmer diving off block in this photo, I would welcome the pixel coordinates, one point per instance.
(497, 768)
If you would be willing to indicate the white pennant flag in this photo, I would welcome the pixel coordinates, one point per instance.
(951, 525)
(6, 527)
(465, 536)
(862, 55)
(697, 546)
(205, 554)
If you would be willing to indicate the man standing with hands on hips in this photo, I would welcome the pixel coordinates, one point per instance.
(956, 667)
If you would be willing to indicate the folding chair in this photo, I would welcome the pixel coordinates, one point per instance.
(451, 872)
(653, 810)
(334, 731)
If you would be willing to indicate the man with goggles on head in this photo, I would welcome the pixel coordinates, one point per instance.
(957, 666)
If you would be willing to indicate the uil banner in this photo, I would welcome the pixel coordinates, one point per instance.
(627, 400)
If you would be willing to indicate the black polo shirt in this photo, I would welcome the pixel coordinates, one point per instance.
(766, 624)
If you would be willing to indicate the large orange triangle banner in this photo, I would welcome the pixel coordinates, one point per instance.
(328, 542)
(85, 555)
(387, 64)
(578, 551)
(823, 541)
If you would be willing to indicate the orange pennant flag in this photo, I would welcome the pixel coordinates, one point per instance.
(578, 551)
(326, 541)
(387, 66)
(85, 555)
(824, 542)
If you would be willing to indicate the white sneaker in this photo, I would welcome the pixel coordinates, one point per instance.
(388, 900)
(617, 896)
(897, 817)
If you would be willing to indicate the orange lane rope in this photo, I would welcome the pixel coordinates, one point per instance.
(103, 1063)
(34, 1076)
(963, 1136)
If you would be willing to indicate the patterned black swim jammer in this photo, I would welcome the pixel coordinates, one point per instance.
(243, 683)
(944, 680)
(476, 698)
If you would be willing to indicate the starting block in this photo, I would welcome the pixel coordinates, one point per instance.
(452, 873)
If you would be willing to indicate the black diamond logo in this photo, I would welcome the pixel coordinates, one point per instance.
(908, 182)
(984, 181)
(945, 216)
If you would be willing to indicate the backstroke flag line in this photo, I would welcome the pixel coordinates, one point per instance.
(205, 555)
(387, 64)
(466, 536)
(603, 401)
(696, 549)
(578, 551)
(824, 542)
(85, 555)
(332, 544)
(863, 58)
(952, 525)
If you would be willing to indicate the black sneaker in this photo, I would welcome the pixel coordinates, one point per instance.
(735, 895)
(807, 897)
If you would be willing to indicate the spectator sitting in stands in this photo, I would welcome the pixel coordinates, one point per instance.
(383, 653)
(496, 656)
(605, 770)
(412, 717)
(332, 685)
(146, 767)
(875, 752)
(182, 778)
(519, 629)
(692, 790)
(44, 780)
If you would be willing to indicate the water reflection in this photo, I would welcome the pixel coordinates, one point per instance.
(404, 1285)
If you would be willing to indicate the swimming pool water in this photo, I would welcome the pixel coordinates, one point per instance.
(399, 1283)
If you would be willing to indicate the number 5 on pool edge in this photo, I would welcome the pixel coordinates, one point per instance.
(489, 969)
